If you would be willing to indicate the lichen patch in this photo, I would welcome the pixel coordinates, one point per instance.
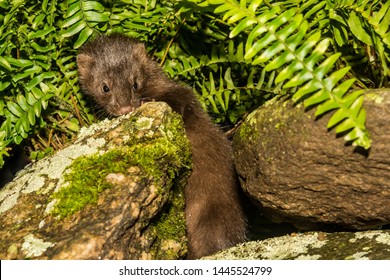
(145, 123)
(34, 247)
(374, 234)
(9, 202)
(35, 184)
(297, 245)
(358, 256)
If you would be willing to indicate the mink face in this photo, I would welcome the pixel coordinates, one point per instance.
(111, 71)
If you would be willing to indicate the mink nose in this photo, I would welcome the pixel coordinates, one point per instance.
(125, 110)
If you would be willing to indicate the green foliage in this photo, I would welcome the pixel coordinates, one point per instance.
(38, 78)
(286, 37)
(235, 54)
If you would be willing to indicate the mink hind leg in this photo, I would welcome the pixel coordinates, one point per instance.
(214, 215)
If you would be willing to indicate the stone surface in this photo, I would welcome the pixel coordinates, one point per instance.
(115, 193)
(299, 172)
(369, 245)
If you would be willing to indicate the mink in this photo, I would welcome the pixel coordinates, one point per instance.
(116, 71)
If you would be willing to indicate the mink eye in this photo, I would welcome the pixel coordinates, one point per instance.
(135, 86)
(106, 89)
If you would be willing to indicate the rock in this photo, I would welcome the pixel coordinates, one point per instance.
(299, 172)
(369, 245)
(115, 193)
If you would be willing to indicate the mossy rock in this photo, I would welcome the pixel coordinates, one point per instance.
(299, 172)
(116, 193)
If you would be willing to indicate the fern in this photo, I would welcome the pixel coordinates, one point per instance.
(368, 23)
(235, 54)
(281, 40)
(33, 73)
(24, 106)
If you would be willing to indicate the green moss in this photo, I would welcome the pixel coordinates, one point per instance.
(87, 180)
(280, 125)
(170, 226)
(162, 155)
(246, 130)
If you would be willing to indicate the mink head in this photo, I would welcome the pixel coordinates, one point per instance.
(114, 71)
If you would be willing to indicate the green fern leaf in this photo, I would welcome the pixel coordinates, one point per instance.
(296, 59)
(93, 5)
(316, 98)
(77, 17)
(15, 109)
(40, 33)
(336, 118)
(22, 102)
(74, 29)
(253, 49)
(241, 26)
(36, 80)
(357, 29)
(31, 116)
(308, 68)
(83, 37)
(4, 63)
(82, 17)
(228, 79)
(96, 16)
(72, 9)
(339, 91)
(292, 42)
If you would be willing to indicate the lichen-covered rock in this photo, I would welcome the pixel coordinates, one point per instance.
(369, 245)
(115, 193)
(299, 172)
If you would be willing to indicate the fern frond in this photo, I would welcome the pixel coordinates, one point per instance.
(23, 113)
(83, 17)
(280, 40)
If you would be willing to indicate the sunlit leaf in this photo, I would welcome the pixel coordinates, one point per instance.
(357, 29)
(15, 109)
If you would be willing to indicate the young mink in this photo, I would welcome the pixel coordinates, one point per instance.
(117, 72)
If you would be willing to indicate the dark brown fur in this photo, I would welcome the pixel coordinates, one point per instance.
(116, 71)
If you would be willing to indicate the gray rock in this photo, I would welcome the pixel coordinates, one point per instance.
(369, 245)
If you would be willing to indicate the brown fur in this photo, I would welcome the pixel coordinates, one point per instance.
(116, 71)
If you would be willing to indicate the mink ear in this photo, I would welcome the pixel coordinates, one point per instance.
(84, 64)
(141, 47)
(140, 51)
